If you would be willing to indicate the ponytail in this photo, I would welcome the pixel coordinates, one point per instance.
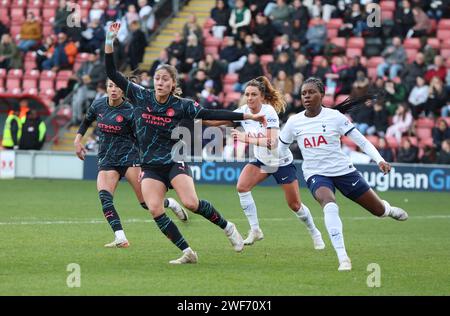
(271, 95)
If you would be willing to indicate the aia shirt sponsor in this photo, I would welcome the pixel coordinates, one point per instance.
(314, 142)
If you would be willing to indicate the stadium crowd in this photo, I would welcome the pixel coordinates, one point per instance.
(404, 59)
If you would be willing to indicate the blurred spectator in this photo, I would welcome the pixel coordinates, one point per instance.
(136, 47)
(93, 37)
(131, 15)
(418, 97)
(380, 120)
(416, 69)
(322, 69)
(101, 90)
(195, 86)
(251, 70)
(162, 59)
(145, 80)
(401, 122)
(422, 24)
(89, 75)
(221, 15)
(191, 27)
(282, 63)
(404, 18)
(33, 132)
(177, 46)
(280, 16)
(283, 47)
(96, 13)
(208, 97)
(62, 54)
(299, 21)
(12, 129)
(215, 70)
(429, 155)
(440, 133)
(316, 37)
(444, 154)
(363, 118)
(61, 16)
(192, 54)
(303, 66)
(436, 9)
(283, 83)
(360, 85)
(45, 51)
(147, 17)
(337, 77)
(240, 17)
(395, 93)
(112, 11)
(354, 22)
(437, 97)
(263, 35)
(30, 33)
(384, 150)
(437, 69)
(407, 153)
(10, 57)
(395, 58)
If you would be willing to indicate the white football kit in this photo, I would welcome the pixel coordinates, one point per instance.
(252, 128)
(319, 141)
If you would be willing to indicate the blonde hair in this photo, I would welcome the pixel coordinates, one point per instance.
(174, 75)
(271, 95)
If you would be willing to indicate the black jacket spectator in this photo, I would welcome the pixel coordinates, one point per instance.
(444, 154)
(414, 70)
(136, 47)
(404, 19)
(33, 132)
(385, 151)
(380, 119)
(407, 153)
(251, 69)
(440, 133)
(220, 16)
(263, 34)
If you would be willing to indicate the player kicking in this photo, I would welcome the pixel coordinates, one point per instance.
(157, 113)
(317, 131)
(118, 156)
(262, 98)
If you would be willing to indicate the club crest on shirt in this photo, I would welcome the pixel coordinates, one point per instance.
(170, 112)
(196, 104)
(119, 118)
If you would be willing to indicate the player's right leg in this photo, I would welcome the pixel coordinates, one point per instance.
(381, 208)
(250, 176)
(323, 190)
(154, 192)
(107, 181)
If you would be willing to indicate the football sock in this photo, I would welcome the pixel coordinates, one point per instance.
(109, 211)
(120, 234)
(144, 205)
(387, 209)
(305, 216)
(249, 207)
(208, 211)
(171, 231)
(334, 227)
(166, 203)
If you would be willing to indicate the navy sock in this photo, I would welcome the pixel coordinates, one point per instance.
(208, 211)
(171, 231)
(109, 211)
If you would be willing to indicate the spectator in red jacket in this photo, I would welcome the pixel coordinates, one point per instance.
(437, 69)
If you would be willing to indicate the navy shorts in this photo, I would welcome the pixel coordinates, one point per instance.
(122, 170)
(166, 173)
(283, 175)
(351, 185)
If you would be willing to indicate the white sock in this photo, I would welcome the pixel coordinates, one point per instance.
(188, 249)
(249, 207)
(120, 234)
(334, 227)
(170, 203)
(305, 216)
(387, 209)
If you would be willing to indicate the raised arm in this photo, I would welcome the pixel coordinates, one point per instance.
(111, 70)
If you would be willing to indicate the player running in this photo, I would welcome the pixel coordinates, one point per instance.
(262, 98)
(157, 113)
(317, 131)
(118, 156)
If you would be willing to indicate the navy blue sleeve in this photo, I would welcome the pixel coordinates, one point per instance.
(90, 117)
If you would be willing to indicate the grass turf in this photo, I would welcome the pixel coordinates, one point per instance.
(46, 225)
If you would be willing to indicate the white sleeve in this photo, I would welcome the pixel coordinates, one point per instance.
(365, 145)
(273, 120)
(286, 138)
(239, 110)
(343, 124)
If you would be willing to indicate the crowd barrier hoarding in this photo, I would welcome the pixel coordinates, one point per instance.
(407, 177)
(7, 164)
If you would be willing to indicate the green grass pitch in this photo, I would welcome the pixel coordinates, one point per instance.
(46, 225)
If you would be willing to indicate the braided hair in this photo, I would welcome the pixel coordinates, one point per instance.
(269, 93)
(350, 104)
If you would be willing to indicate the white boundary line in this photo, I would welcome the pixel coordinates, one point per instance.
(138, 220)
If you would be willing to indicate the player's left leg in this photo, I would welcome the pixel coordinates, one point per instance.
(292, 195)
(132, 176)
(184, 186)
(381, 208)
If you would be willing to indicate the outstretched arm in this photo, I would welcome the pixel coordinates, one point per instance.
(225, 115)
(111, 70)
(217, 123)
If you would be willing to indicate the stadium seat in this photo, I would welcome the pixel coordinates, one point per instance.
(447, 119)
(411, 53)
(339, 41)
(424, 122)
(387, 15)
(228, 87)
(372, 73)
(209, 23)
(35, 3)
(387, 6)
(423, 132)
(15, 29)
(315, 21)
(443, 34)
(334, 24)
(353, 52)
(265, 59)
(426, 142)
(413, 42)
(348, 142)
(30, 79)
(434, 42)
(46, 81)
(392, 142)
(413, 140)
(328, 101)
(332, 33)
(213, 50)
(48, 12)
(445, 52)
(444, 24)
(375, 61)
(373, 139)
(3, 72)
(340, 98)
(355, 42)
(232, 97)
(17, 14)
(230, 78)
(51, 3)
